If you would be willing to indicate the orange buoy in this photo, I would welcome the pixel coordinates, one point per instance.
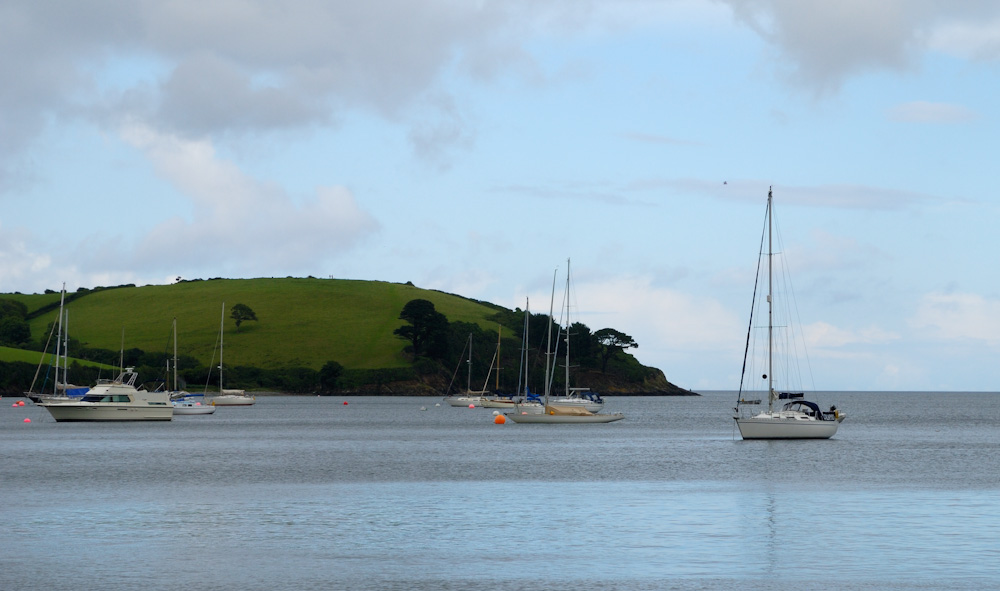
(20, 403)
(345, 403)
(472, 406)
(27, 420)
(499, 420)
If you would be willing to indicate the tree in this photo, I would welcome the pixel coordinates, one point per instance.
(14, 331)
(612, 342)
(427, 330)
(242, 313)
(329, 374)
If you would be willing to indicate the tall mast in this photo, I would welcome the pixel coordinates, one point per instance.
(222, 332)
(567, 328)
(524, 350)
(468, 365)
(175, 354)
(548, 346)
(66, 353)
(770, 306)
(62, 300)
(499, 332)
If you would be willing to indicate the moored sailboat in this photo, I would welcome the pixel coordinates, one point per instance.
(229, 396)
(797, 418)
(184, 402)
(553, 412)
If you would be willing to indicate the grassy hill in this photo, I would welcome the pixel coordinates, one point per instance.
(301, 322)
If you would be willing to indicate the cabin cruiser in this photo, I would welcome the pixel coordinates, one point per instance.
(114, 400)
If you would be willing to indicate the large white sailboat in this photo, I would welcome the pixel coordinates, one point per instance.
(565, 409)
(230, 396)
(796, 418)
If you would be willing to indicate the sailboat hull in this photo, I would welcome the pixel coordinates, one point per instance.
(786, 428)
(558, 419)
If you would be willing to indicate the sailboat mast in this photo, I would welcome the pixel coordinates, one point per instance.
(62, 300)
(175, 354)
(548, 345)
(567, 328)
(468, 365)
(222, 332)
(66, 353)
(499, 332)
(770, 306)
(524, 350)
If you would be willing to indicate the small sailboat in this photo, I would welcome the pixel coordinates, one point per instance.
(62, 391)
(523, 400)
(469, 397)
(563, 412)
(796, 418)
(184, 402)
(229, 397)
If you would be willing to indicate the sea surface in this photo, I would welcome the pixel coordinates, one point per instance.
(304, 493)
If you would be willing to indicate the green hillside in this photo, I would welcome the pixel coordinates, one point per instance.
(301, 322)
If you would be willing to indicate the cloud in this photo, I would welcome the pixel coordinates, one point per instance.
(959, 317)
(239, 223)
(978, 40)
(18, 260)
(926, 112)
(822, 335)
(825, 43)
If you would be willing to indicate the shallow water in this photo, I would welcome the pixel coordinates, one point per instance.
(309, 493)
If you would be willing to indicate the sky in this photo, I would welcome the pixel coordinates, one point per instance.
(475, 146)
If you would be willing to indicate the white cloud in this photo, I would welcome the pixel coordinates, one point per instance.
(822, 335)
(825, 43)
(959, 316)
(18, 259)
(244, 223)
(969, 40)
(928, 112)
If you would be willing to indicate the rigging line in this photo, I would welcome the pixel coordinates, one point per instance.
(460, 357)
(753, 304)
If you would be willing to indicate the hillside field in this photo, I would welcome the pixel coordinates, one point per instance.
(301, 322)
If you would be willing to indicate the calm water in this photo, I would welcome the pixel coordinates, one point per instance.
(307, 493)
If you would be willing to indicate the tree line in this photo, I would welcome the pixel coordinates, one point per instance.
(496, 355)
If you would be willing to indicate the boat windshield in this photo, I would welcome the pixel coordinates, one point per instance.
(107, 398)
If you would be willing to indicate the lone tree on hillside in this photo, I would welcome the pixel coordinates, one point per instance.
(612, 342)
(242, 313)
(427, 330)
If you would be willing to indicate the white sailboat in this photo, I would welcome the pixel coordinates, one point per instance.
(184, 402)
(797, 418)
(474, 398)
(561, 413)
(229, 397)
(524, 401)
(62, 391)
